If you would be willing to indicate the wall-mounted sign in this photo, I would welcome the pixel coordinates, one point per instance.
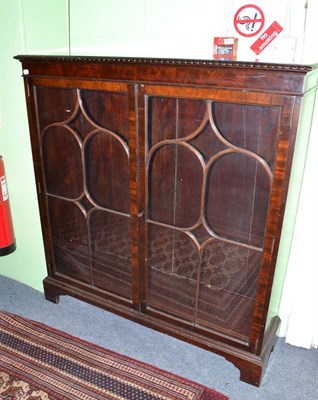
(225, 48)
(249, 20)
(266, 37)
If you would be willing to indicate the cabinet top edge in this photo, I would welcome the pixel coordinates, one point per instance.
(169, 61)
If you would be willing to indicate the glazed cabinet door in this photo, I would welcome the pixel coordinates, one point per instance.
(84, 141)
(209, 162)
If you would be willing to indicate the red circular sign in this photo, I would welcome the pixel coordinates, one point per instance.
(249, 20)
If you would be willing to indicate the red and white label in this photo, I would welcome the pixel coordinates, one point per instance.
(266, 37)
(249, 20)
(3, 187)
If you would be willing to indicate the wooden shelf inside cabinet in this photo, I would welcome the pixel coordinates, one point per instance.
(162, 185)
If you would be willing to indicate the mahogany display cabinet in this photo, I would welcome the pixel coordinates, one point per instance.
(162, 186)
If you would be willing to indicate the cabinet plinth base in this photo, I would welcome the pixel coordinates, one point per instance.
(251, 366)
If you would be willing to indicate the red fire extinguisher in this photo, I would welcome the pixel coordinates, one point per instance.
(7, 240)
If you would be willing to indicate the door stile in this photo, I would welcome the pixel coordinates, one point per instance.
(33, 112)
(142, 122)
(134, 191)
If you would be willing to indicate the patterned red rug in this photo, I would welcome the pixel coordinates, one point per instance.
(38, 362)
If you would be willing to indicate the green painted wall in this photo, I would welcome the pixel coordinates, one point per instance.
(26, 27)
(163, 28)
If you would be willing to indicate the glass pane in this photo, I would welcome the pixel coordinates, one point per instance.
(174, 188)
(62, 163)
(253, 128)
(107, 110)
(111, 260)
(55, 105)
(173, 118)
(238, 190)
(107, 172)
(173, 260)
(228, 283)
(70, 239)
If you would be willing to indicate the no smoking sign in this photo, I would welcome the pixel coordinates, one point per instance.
(249, 20)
